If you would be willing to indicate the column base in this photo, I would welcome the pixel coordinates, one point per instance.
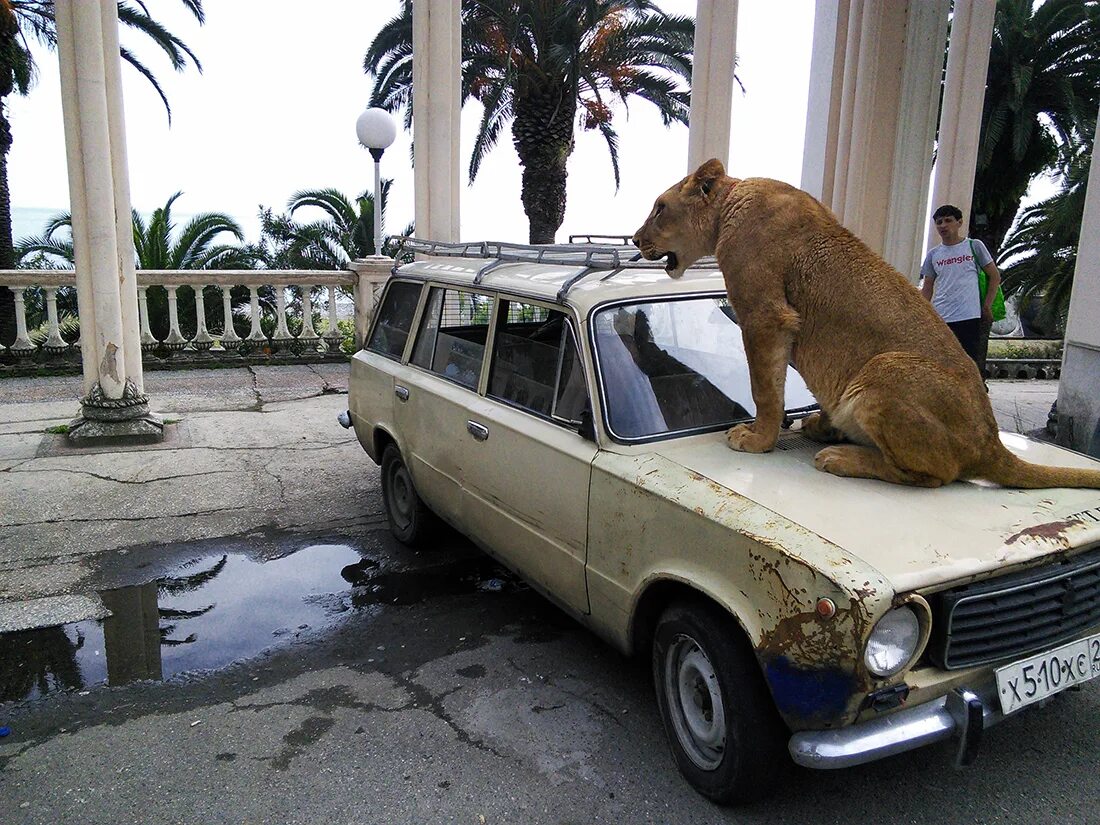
(125, 420)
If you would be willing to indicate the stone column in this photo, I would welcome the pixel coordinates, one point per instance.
(872, 113)
(712, 82)
(1079, 389)
(114, 406)
(960, 120)
(371, 274)
(437, 78)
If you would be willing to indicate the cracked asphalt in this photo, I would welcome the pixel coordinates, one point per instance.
(481, 706)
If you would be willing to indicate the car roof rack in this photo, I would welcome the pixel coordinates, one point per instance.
(588, 257)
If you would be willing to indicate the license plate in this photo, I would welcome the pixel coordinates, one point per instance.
(1044, 674)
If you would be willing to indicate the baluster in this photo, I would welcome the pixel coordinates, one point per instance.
(256, 336)
(202, 340)
(22, 346)
(333, 337)
(282, 339)
(308, 338)
(55, 345)
(230, 340)
(175, 340)
(148, 342)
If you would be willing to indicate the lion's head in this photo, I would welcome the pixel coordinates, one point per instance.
(683, 224)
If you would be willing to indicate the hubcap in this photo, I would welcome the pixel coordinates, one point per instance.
(401, 495)
(695, 703)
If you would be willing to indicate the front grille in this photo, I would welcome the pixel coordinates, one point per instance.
(1015, 615)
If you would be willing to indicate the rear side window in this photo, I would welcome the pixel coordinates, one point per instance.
(451, 339)
(395, 319)
(535, 362)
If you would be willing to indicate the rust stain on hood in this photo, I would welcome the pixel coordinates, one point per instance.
(1053, 531)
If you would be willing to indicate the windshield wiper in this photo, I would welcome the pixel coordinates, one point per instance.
(790, 416)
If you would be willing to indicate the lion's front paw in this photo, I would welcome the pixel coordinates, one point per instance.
(746, 440)
(817, 427)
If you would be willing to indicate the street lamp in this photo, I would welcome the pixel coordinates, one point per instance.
(376, 131)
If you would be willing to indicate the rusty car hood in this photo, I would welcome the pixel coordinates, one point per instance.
(916, 538)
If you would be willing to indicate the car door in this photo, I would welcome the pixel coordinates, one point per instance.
(434, 395)
(376, 367)
(526, 467)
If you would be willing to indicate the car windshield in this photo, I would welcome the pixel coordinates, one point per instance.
(675, 366)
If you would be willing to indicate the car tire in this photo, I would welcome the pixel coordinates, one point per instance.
(726, 736)
(411, 522)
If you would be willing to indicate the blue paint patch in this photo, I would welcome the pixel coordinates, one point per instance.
(818, 694)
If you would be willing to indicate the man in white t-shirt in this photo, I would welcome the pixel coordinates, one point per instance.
(950, 274)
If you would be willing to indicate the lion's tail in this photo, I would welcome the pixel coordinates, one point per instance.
(1009, 471)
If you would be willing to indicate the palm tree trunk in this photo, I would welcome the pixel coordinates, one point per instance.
(543, 136)
(7, 248)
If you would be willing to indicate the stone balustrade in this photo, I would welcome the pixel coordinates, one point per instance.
(309, 302)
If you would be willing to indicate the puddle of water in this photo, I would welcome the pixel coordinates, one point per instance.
(447, 579)
(204, 614)
(218, 609)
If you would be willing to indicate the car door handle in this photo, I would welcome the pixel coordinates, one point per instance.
(401, 392)
(478, 431)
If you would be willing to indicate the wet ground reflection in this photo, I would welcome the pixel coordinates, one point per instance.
(218, 609)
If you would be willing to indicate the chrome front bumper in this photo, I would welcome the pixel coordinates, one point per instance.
(961, 715)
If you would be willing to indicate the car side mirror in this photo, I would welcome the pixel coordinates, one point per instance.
(587, 427)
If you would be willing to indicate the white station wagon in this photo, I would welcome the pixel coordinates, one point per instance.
(565, 407)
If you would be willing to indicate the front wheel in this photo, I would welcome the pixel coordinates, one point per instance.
(721, 724)
(411, 522)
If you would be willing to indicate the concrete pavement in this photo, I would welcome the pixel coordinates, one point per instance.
(247, 449)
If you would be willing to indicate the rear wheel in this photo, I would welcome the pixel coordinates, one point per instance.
(721, 724)
(411, 522)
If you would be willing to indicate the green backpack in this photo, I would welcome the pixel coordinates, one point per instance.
(998, 307)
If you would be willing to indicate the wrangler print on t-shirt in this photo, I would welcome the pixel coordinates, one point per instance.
(955, 273)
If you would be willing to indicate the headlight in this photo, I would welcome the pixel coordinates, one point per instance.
(893, 642)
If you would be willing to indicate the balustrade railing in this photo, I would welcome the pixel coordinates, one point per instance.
(288, 315)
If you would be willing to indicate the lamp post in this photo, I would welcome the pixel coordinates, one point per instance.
(376, 131)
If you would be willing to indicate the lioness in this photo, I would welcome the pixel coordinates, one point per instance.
(889, 375)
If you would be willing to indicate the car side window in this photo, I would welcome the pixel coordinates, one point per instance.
(395, 318)
(535, 362)
(452, 335)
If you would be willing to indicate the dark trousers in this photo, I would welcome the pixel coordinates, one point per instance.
(969, 333)
(983, 343)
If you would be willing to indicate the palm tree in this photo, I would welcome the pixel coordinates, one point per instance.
(157, 246)
(1042, 247)
(24, 19)
(544, 66)
(345, 233)
(1042, 91)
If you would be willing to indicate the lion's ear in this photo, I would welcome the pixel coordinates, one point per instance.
(707, 175)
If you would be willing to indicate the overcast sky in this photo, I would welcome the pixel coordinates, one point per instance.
(274, 112)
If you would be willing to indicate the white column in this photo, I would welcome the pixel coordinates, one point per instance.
(124, 227)
(922, 67)
(202, 339)
(712, 82)
(22, 345)
(229, 338)
(961, 119)
(823, 108)
(54, 342)
(99, 194)
(437, 31)
(148, 342)
(872, 113)
(1079, 388)
(256, 333)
